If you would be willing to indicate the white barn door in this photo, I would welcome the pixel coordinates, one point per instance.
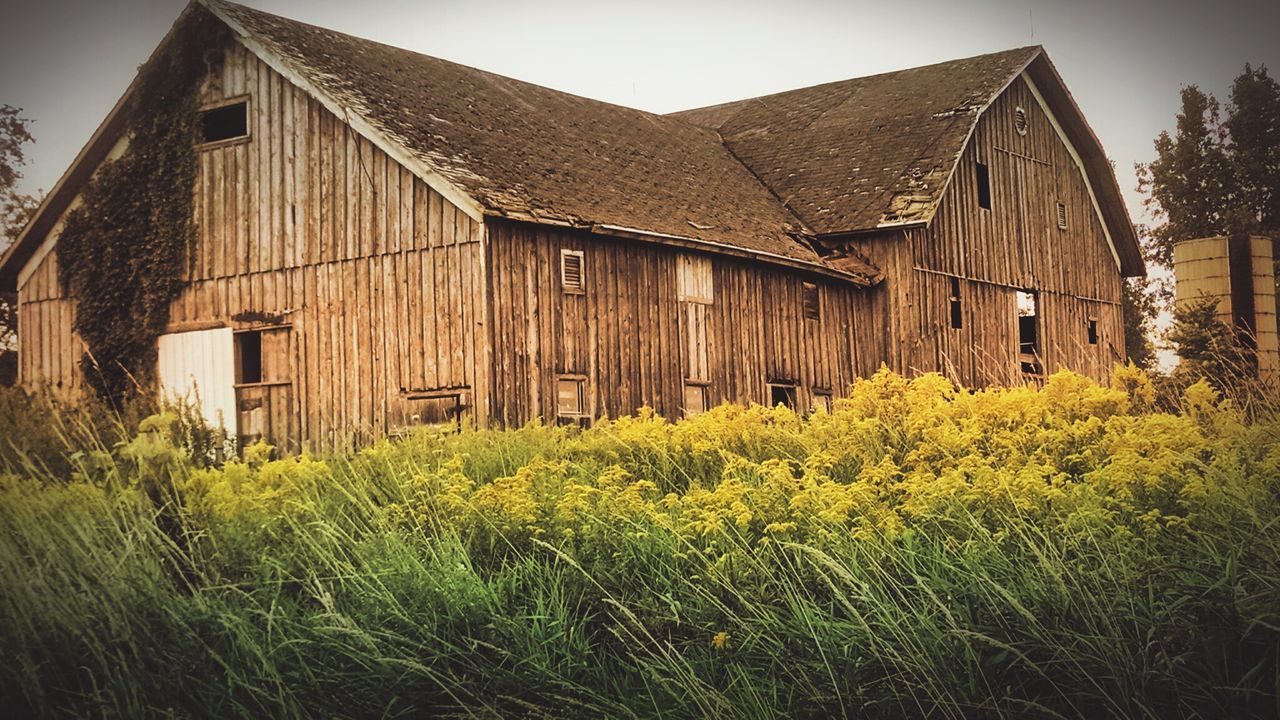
(198, 368)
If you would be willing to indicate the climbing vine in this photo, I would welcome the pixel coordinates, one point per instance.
(124, 250)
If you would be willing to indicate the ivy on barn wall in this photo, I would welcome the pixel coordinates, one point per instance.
(123, 251)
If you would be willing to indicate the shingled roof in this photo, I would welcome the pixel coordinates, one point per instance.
(839, 153)
(757, 177)
(530, 152)
(878, 151)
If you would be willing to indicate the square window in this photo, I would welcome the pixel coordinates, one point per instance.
(821, 400)
(571, 397)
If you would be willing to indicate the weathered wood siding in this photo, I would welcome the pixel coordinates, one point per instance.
(637, 342)
(1015, 245)
(378, 277)
(48, 351)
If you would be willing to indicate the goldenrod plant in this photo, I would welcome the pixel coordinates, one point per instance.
(1072, 550)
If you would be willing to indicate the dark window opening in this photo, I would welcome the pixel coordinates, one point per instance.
(984, 186)
(1093, 331)
(1029, 332)
(957, 319)
(782, 395)
(249, 357)
(224, 123)
(812, 307)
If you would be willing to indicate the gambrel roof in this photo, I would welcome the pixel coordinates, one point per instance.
(759, 177)
(878, 151)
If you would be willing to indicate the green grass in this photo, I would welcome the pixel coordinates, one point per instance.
(350, 587)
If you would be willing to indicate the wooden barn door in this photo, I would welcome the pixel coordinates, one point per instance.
(264, 387)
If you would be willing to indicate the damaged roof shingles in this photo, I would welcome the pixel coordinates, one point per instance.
(759, 174)
(522, 149)
(895, 137)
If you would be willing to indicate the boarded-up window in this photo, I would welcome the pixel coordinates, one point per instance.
(226, 122)
(694, 281)
(695, 399)
(812, 302)
(957, 312)
(821, 400)
(571, 398)
(571, 275)
(1062, 216)
(983, 178)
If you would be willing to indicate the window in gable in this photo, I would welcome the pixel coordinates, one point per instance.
(984, 185)
(571, 275)
(225, 122)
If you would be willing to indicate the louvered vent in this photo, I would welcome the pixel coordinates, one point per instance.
(571, 270)
(1020, 121)
(1062, 216)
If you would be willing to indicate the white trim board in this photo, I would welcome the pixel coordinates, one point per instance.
(1071, 149)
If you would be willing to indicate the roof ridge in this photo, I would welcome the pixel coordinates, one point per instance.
(1029, 49)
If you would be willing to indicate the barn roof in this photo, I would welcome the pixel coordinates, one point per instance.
(757, 177)
(529, 152)
(878, 151)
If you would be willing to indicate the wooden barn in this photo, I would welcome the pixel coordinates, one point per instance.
(386, 238)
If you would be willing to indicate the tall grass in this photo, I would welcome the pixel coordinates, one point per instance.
(918, 552)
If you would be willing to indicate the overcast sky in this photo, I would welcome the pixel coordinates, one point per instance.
(66, 62)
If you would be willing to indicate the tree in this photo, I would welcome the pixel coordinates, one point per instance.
(1209, 348)
(15, 209)
(1215, 175)
(1139, 308)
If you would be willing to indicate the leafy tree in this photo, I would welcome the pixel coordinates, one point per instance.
(15, 208)
(1139, 306)
(1217, 174)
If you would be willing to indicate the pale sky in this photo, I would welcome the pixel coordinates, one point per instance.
(66, 61)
